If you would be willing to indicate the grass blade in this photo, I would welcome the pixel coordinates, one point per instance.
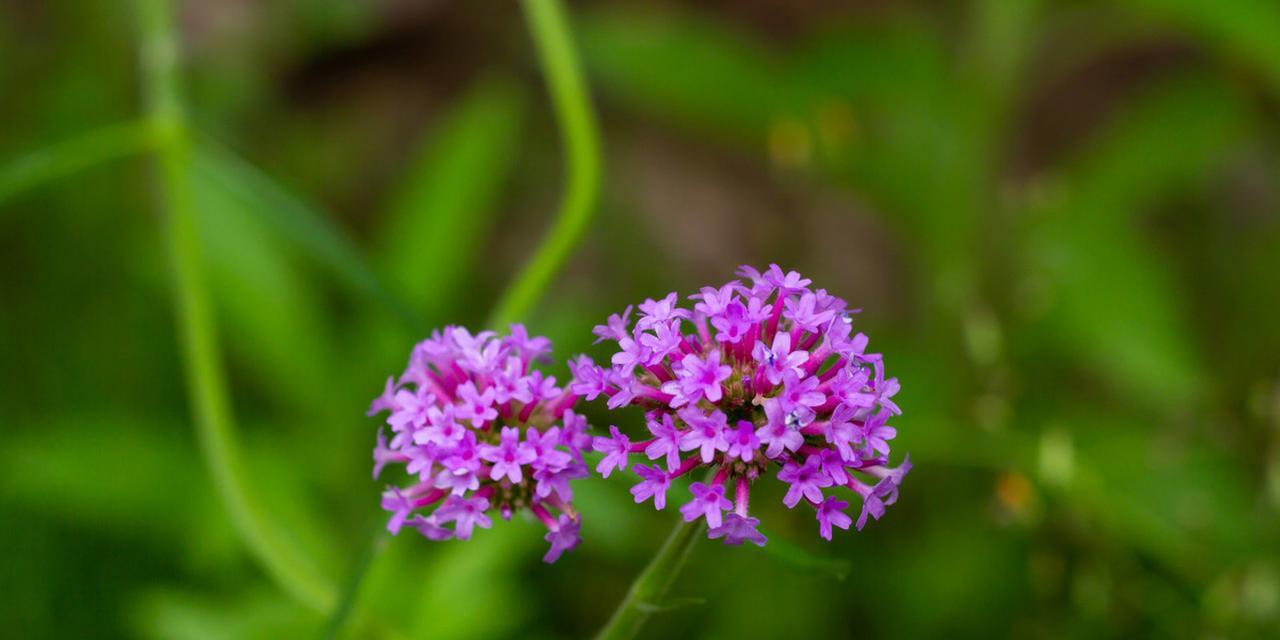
(72, 156)
(299, 221)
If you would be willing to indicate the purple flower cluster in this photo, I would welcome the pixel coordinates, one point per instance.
(481, 431)
(766, 375)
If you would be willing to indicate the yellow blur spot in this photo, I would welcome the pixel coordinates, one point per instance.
(837, 126)
(1014, 492)
(789, 143)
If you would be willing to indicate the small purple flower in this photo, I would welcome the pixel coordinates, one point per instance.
(540, 388)
(508, 456)
(466, 514)
(872, 505)
(654, 484)
(800, 394)
(383, 455)
(806, 481)
(804, 313)
(743, 442)
(666, 441)
(664, 340)
(698, 378)
(418, 460)
(564, 537)
(831, 513)
(788, 283)
(430, 529)
(713, 300)
(708, 502)
(632, 355)
(615, 447)
(732, 324)
(834, 465)
(656, 312)
(876, 434)
(386, 401)
(410, 414)
(779, 434)
(476, 407)
(779, 358)
(557, 481)
(737, 529)
(589, 380)
(394, 500)
(614, 329)
(840, 432)
(543, 445)
(706, 433)
(890, 479)
(442, 430)
(575, 436)
(525, 347)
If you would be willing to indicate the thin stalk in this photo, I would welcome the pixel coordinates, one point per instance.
(647, 592)
(580, 136)
(206, 382)
(347, 598)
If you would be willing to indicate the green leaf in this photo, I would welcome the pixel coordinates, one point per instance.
(670, 604)
(69, 157)
(115, 474)
(174, 613)
(1184, 503)
(300, 222)
(1241, 28)
(448, 197)
(798, 557)
(273, 318)
(1111, 302)
(694, 72)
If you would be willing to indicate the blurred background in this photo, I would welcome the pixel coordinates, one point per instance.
(1061, 220)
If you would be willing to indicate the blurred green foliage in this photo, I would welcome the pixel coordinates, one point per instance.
(1062, 221)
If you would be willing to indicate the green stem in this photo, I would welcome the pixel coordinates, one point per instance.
(647, 592)
(62, 159)
(580, 135)
(206, 382)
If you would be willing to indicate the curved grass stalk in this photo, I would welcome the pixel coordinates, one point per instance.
(206, 382)
(580, 135)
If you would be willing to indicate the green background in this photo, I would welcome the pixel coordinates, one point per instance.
(1061, 221)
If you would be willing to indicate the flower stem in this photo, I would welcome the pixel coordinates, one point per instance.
(646, 593)
(206, 382)
(580, 135)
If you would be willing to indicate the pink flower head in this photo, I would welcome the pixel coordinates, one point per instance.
(762, 376)
(479, 430)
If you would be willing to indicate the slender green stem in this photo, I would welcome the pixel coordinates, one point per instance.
(300, 222)
(378, 541)
(65, 158)
(580, 135)
(203, 366)
(647, 592)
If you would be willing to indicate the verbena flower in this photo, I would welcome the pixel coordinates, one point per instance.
(761, 375)
(479, 431)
